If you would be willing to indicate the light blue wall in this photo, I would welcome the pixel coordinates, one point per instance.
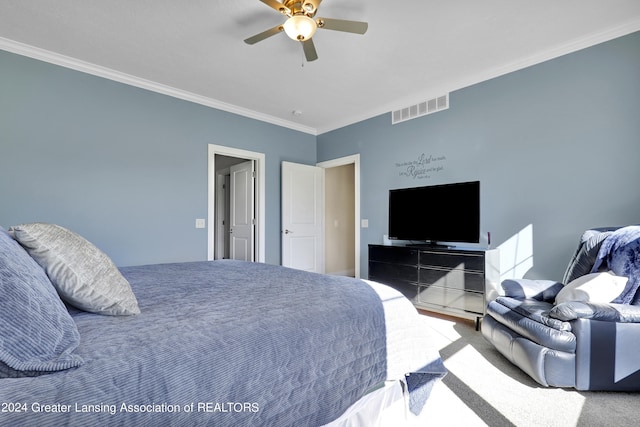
(122, 166)
(555, 146)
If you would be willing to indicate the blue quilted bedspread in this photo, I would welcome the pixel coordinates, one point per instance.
(219, 343)
(620, 253)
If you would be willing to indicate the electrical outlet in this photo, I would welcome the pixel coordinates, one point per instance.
(200, 223)
(364, 223)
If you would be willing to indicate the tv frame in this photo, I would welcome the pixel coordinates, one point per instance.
(430, 236)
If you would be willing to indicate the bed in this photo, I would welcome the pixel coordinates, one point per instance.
(199, 343)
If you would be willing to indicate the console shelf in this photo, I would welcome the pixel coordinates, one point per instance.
(443, 280)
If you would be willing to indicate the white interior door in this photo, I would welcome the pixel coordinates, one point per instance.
(242, 213)
(303, 217)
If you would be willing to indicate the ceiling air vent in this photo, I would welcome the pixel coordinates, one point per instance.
(422, 109)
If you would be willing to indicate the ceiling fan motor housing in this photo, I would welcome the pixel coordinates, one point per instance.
(301, 25)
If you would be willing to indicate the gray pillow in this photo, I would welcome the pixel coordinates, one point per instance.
(84, 276)
(38, 334)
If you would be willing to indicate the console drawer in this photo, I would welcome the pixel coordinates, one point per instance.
(447, 298)
(456, 278)
(461, 260)
(393, 255)
(392, 273)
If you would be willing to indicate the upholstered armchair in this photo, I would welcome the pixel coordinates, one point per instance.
(583, 332)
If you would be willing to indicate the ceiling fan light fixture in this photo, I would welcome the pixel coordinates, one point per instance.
(300, 27)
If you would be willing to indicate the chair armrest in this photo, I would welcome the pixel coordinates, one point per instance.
(620, 313)
(541, 290)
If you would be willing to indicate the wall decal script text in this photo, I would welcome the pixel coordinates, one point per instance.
(423, 167)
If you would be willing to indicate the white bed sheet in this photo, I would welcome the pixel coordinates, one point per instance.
(409, 348)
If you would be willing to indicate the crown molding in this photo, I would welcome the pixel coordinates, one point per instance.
(131, 80)
(418, 96)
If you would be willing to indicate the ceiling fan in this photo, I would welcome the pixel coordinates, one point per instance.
(301, 24)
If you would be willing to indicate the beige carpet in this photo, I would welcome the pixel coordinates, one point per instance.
(483, 388)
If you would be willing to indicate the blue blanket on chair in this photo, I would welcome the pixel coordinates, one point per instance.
(620, 253)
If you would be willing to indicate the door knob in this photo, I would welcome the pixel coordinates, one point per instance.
(287, 231)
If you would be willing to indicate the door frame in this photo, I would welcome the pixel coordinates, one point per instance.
(259, 158)
(355, 160)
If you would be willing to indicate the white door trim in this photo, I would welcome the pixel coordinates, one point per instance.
(355, 160)
(260, 195)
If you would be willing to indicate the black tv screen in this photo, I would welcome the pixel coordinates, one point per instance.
(436, 213)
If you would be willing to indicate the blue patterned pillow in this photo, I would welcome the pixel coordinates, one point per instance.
(37, 334)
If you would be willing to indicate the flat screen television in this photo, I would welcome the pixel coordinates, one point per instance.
(436, 213)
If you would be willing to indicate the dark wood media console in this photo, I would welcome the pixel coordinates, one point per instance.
(439, 279)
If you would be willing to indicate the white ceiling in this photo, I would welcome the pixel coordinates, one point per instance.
(413, 51)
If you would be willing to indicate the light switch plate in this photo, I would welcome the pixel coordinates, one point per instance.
(200, 223)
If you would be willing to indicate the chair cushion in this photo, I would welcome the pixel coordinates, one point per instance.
(611, 312)
(547, 366)
(530, 318)
(542, 290)
(586, 253)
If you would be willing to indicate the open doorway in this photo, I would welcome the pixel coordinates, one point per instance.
(342, 216)
(236, 204)
(235, 208)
